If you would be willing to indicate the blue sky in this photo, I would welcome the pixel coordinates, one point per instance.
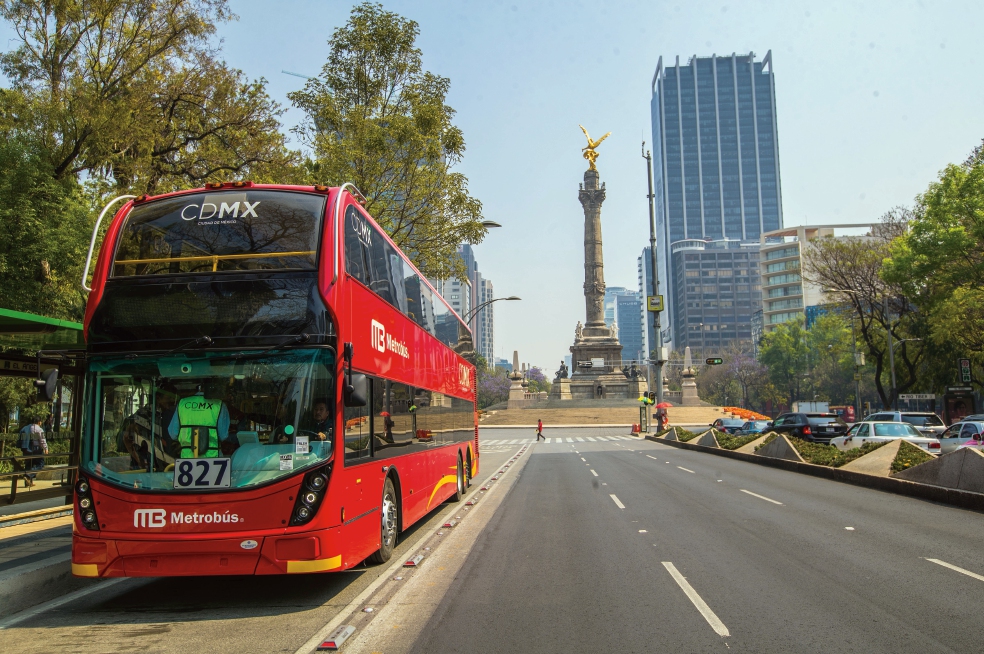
(873, 99)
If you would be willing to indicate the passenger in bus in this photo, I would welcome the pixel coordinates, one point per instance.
(145, 429)
(199, 424)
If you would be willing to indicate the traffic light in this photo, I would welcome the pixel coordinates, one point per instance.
(965, 376)
(714, 361)
(652, 397)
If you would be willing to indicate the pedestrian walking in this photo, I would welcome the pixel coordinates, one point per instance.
(32, 441)
(539, 430)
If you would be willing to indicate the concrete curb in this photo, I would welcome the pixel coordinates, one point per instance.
(35, 516)
(951, 496)
(34, 583)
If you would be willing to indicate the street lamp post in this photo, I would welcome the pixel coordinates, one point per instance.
(471, 314)
(655, 276)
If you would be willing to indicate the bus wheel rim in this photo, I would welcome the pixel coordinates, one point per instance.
(389, 520)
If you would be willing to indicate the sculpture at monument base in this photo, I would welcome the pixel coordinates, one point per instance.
(689, 395)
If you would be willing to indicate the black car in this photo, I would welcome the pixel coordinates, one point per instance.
(812, 427)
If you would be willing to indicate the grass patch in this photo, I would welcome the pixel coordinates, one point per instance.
(828, 455)
(732, 442)
(771, 437)
(909, 456)
(684, 435)
(666, 431)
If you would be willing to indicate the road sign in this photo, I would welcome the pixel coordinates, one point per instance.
(714, 361)
(959, 389)
(916, 396)
(964, 365)
(654, 303)
(857, 376)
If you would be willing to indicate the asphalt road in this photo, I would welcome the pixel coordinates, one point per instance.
(780, 562)
(216, 614)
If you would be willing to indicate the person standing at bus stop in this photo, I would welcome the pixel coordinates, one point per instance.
(539, 430)
(32, 441)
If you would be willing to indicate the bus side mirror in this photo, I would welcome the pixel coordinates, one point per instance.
(47, 384)
(357, 390)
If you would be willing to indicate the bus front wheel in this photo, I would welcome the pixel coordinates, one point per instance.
(389, 524)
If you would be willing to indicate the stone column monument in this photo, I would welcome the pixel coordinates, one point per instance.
(689, 384)
(517, 394)
(597, 354)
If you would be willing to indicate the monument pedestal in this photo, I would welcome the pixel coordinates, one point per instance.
(689, 384)
(638, 387)
(596, 374)
(561, 389)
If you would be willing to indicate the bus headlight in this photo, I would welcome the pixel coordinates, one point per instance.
(312, 493)
(86, 507)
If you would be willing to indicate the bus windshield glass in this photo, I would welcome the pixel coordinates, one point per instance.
(224, 231)
(256, 416)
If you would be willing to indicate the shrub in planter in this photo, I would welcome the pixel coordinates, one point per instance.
(732, 442)
(771, 437)
(684, 435)
(909, 456)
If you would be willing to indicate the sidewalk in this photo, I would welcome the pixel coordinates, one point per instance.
(35, 558)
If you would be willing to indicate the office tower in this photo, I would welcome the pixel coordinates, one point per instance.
(644, 268)
(611, 295)
(717, 182)
(628, 313)
(465, 296)
(484, 321)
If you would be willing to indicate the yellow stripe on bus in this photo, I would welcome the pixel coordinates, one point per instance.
(446, 479)
(85, 569)
(317, 565)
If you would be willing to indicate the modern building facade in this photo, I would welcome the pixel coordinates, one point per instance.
(717, 180)
(465, 296)
(612, 293)
(484, 321)
(628, 314)
(716, 288)
(785, 294)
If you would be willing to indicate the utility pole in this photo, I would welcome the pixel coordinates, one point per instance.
(655, 276)
(857, 371)
(891, 350)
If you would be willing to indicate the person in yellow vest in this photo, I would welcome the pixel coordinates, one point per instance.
(199, 425)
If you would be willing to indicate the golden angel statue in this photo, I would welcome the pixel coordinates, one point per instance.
(589, 151)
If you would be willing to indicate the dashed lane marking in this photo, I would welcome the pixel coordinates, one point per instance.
(594, 473)
(617, 502)
(701, 605)
(687, 470)
(953, 567)
(761, 497)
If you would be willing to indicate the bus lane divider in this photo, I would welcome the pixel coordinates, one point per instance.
(438, 554)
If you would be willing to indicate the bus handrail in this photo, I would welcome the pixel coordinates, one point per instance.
(95, 233)
(215, 258)
(336, 228)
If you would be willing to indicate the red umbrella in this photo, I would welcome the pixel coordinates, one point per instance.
(663, 405)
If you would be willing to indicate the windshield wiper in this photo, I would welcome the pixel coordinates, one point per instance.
(300, 338)
(203, 340)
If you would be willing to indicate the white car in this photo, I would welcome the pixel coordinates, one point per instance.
(880, 432)
(960, 433)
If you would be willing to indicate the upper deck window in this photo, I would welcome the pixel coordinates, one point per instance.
(221, 232)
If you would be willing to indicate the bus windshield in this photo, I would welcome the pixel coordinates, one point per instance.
(221, 231)
(262, 416)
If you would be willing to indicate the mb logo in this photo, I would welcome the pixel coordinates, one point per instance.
(464, 376)
(378, 336)
(149, 518)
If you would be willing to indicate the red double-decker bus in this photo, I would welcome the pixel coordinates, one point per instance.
(271, 387)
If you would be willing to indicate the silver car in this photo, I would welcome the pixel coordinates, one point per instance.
(929, 424)
(959, 433)
(879, 432)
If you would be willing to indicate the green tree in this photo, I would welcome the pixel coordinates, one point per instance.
(939, 261)
(784, 352)
(376, 118)
(131, 93)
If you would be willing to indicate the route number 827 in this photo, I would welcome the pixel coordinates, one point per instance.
(201, 473)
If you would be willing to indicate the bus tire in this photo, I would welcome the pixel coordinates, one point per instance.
(468, 469)
(389, 524)
(459, 482)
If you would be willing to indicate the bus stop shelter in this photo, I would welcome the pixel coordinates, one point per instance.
(61, 345)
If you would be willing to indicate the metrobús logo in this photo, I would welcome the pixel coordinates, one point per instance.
(382, 341)
(224, 211)
(464, 376)
(157, 518)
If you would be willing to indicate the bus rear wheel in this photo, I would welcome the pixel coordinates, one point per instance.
(460, 484)
(389, 524)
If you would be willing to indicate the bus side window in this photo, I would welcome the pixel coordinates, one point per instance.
(393, 422)
(420, 303)
(379, 269)
(357, 431)
(464, 420)
(355, 251)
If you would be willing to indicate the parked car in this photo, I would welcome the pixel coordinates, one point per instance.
(960, 433)
(729, 425)
(928, 423)
(875, 432)
(813, 427)
(754, 427)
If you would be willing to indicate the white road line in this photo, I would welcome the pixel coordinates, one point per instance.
(590, 439)
(652, 457)
(549, 440)
(602, 438)
(594, 473)
(761, 497)
(960, 570)
(687, 470)
(579, 439)
(55, 603)
(617, 503)
(701, 605)
(583, 459)
(570, 440)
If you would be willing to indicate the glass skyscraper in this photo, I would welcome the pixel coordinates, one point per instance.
(717, 180)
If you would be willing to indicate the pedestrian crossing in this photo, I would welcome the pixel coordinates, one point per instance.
(517, 441)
